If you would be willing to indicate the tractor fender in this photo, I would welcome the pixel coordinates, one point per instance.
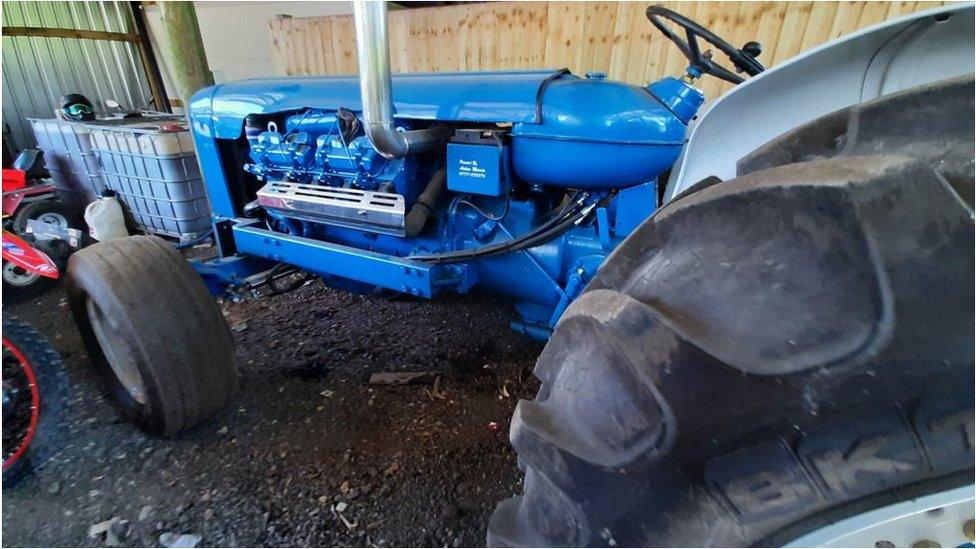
(903, 53)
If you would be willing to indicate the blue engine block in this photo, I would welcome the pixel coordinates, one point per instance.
(311, 149)
(524, 148)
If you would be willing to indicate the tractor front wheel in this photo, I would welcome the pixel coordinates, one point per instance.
(154, 332)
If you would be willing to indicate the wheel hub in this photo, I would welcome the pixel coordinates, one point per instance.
(18, 276)
(118, 353)
(943, 519)
(53, 218)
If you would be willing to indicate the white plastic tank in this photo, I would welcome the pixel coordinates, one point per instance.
(152, 164)
(105, 218)
(69, 157)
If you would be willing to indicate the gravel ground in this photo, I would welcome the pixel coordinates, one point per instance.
(308, 454)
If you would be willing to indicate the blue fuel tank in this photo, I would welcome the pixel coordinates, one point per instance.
(600, 134)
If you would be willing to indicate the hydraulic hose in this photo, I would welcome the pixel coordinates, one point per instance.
(422, 207)
(572, 214)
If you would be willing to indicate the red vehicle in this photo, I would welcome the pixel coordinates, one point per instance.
(24, 266)
(33, 378)
(26, 197)
(34, 219)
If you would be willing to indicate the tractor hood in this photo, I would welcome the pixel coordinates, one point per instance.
(466, 97)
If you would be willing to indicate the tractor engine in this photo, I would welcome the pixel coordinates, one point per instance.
(319, 167)
(517, 183)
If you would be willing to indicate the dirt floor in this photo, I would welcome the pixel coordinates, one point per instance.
(308, 453)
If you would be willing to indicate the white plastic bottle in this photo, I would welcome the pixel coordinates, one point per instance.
(105, 218)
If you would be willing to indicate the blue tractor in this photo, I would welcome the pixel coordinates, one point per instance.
(515, 183)
(736, 302)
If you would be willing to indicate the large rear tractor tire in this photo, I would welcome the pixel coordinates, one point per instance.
(154, 331)
(771, 354)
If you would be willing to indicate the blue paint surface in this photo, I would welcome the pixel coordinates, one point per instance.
(468, 96)
(560, 133)
(476, 169)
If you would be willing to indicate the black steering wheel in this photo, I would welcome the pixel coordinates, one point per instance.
(743, 59)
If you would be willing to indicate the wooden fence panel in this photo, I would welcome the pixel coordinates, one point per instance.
(609, 37)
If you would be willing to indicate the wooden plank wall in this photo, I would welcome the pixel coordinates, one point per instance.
(610, 37)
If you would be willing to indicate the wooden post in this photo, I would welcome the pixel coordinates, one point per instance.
(148, 57)
(184, 46)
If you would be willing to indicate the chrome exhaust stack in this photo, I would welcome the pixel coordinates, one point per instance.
(376, 89)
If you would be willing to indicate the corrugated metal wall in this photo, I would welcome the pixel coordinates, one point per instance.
(37, 71)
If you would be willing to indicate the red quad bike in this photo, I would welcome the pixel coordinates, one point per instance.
(34, 386)
(32, 213)
(25, 268)
(26, 198)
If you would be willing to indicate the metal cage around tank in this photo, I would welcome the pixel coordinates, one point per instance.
(152, 165)
(69, 158)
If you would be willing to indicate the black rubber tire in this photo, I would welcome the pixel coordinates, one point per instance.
(33, 210)
(758, 359)
(52, 386)
(162, 315)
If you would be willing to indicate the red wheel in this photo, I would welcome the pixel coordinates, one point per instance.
(33, 397)
(21, 404)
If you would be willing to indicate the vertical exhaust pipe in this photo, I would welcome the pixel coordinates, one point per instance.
(376, 89)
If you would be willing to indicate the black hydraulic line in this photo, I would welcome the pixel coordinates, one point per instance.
(552, 233)
(511, 246)
(572, 214)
